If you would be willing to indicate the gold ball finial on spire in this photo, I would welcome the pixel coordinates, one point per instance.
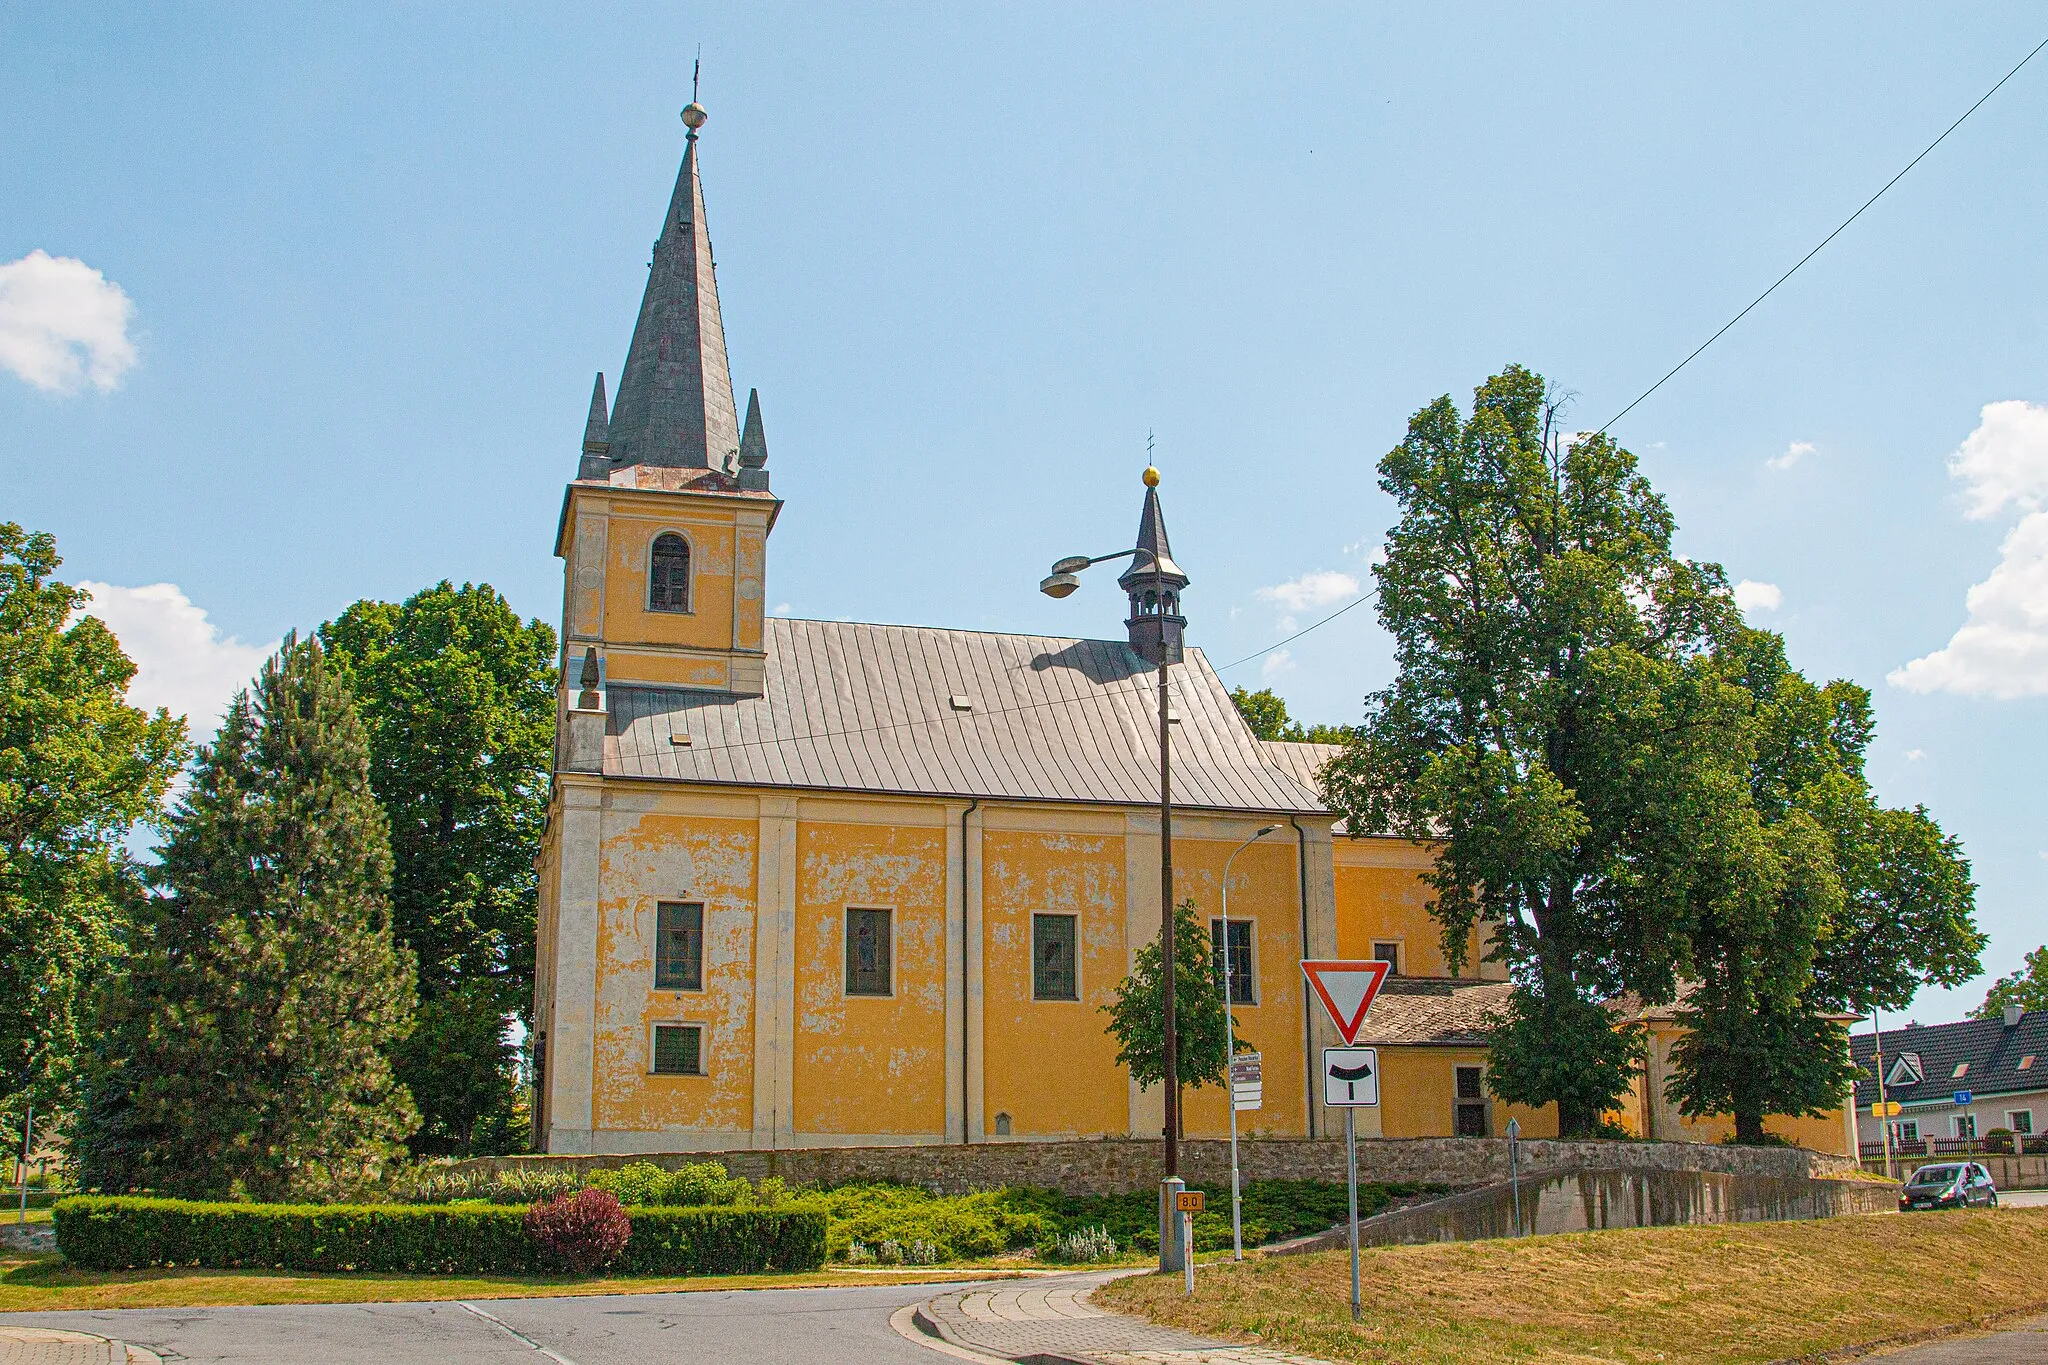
(694, 116)
(1151, 476)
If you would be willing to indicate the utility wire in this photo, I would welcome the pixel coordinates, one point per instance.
(1825, 240)
(1725, 326)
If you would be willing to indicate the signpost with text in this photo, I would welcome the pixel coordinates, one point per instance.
(1351, 1074)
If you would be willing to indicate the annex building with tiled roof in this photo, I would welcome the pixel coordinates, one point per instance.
(1955, 1082)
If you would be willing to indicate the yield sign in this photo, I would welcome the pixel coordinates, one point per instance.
(1347, 990)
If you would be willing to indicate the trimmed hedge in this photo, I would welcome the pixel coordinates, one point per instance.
(101, 1233)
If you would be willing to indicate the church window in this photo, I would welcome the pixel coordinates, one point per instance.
(678, 1050)
(1243, 980)
(678, 947)
(1053, 941)
(668, 574)
(867, 953)
(1472, 1113)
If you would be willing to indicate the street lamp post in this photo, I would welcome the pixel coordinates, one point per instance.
(1230, 1052)
(1165, 578)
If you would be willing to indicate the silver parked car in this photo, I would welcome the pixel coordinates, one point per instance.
(1951, 1185)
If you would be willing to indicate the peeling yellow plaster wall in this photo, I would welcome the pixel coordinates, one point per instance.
(712, 536)
(1051, 1064)
(648, 858)
(1418, 1095)
(1264, 888)
(870, 1064)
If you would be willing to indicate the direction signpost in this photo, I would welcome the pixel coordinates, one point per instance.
(1351, 1074)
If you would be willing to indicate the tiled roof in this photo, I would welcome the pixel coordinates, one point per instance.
(1992, 1053)
(913, 709)
(1438, 1010)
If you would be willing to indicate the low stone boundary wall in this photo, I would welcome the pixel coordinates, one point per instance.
(2007, 1172)
(1587, 1201)
(1117, 1165)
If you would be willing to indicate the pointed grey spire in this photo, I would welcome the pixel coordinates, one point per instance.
(675, 405)
(588, 700)
(1154, 583)
(754, 446)
(596, 436)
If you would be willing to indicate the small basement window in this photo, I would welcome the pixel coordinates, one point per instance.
(678, 1050)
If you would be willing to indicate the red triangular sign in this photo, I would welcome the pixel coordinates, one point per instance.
(1347, 990)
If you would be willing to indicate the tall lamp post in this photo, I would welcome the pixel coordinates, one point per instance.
(1230, 1052)
(1155, 621)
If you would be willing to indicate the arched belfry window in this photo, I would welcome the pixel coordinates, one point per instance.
(668, 574)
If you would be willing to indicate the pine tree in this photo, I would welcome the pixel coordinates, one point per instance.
(245, 1054)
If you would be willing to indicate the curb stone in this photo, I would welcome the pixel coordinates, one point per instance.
(54, 1346)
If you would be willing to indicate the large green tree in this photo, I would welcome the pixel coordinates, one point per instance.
(2027, 988)
(245, 1050)
(1265, 711)
(79, 767)
(1557, 721)
(457, 695)
(1812, 902)
(1137, 1017)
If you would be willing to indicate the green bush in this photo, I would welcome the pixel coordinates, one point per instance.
(99, 1233)
(958, 1227)
(642, 1184)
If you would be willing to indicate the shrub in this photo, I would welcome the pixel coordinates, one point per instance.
(581, 1233)
(1080, 1247)
(98, 1233)
(642, 1184)
(519, 1185)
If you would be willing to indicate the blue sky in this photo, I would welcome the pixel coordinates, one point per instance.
(357, 264)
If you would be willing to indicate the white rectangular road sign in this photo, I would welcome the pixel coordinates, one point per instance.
(1247, 1085)
(1351, 1077)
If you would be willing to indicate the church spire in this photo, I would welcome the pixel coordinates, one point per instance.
(596, 435)
(1154, 583)
(675, 405)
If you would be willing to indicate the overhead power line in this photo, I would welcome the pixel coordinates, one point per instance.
(1825, 240)
(1723, 329)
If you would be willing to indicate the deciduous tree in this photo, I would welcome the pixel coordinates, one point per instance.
(79, 767)
(1137, 1017)
(2027, 988)
(457, 695)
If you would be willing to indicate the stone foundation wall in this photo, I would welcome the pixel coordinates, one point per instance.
(1115, 1165)
(2007, 1172)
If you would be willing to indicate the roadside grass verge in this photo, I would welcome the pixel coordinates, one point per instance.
(1704, 1295)
(42, 1284)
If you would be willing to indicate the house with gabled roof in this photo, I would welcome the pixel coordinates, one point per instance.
(1955, 1083)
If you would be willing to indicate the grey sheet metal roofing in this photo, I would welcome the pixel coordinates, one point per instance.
(869, 708)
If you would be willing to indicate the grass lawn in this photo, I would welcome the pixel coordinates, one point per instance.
(41, 1284)
(1678, 1296)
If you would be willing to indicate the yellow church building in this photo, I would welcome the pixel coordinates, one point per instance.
(814, 883)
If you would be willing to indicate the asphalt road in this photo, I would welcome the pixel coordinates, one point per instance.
(830, 1326)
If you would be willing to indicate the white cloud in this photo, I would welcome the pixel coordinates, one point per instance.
(779, 609)
(2001, 649)
(1318, 588)
(62, 323)
(182, 660)
(1753, 596)
(1915, 755)
(1277, 663)
(1794, 453)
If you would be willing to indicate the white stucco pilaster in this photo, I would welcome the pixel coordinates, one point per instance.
(775, 976)
(573, 1015)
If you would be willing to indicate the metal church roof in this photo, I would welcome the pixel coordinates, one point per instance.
(919, 710)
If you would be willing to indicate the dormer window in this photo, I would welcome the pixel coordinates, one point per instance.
(1906, 1071)
(668, 574)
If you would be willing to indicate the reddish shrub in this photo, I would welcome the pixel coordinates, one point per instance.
(580, 1233)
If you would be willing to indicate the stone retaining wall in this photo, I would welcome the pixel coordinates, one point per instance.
(1115, 1165)
(2007, 1172)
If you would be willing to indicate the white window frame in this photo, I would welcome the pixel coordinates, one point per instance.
(1906, 1130)
(846, 991)
(703, 1049)
(1958, 1122)
(2015, 1117)
(1251, 933)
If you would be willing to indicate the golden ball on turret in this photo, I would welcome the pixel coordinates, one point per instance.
(694, 116)
(1151, 476)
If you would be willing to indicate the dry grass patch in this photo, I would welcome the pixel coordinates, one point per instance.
(42, 1284)
(1709, 1295)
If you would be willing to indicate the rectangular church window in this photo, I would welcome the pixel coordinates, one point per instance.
(1053, 942)
(1244, 980)
(678, 946)
(1472, 1113)
(867, 953)
(678, 1049)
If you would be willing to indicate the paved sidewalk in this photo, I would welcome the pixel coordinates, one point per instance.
(2025, 1343)
(1048, 1321)
(50, 1346)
